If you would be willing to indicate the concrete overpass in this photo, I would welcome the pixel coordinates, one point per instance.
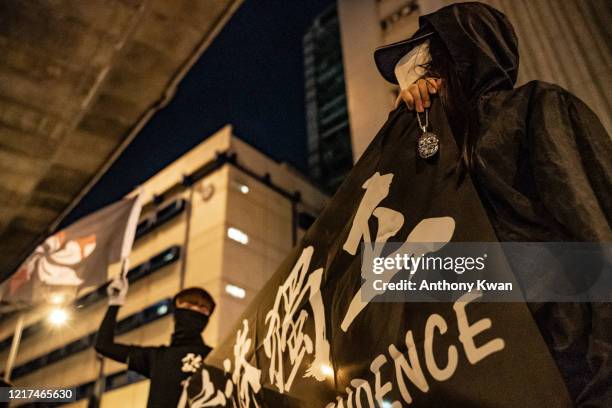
(78, 80)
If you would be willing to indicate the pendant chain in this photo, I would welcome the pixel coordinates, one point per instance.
(423, 128)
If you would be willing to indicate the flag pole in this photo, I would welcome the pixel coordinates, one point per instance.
(14, 348)
(99, 386)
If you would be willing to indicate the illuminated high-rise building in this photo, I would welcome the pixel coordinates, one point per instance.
(329, 137)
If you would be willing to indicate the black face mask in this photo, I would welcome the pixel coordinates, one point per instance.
(188, 325)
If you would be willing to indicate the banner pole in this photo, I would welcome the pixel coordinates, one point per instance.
(14, 347)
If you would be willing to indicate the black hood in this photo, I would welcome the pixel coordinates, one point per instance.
(480, 39)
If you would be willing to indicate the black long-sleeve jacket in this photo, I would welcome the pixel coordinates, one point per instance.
(105, 342)
(166, 366)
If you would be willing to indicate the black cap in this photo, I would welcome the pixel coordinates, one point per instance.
(388, 56)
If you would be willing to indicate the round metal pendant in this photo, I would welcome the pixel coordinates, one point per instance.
(428, 145)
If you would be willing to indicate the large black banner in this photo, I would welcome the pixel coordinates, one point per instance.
(311, 339)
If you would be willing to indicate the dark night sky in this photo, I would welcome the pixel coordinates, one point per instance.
(251, 76)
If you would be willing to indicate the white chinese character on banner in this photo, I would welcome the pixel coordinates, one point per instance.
(245, 377)
(286, 323)
(389, 221)
(428, 235)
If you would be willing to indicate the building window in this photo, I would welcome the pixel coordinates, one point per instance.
(237, 235)
(235, 291)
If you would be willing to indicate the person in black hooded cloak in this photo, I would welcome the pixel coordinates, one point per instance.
(539, 157)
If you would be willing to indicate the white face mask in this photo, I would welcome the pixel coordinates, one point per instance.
(410, 67)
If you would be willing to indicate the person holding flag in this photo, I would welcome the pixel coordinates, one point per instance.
(166, 366)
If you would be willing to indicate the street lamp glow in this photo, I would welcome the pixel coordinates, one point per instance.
(327, 370)
(244, 189)
(58, 317)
